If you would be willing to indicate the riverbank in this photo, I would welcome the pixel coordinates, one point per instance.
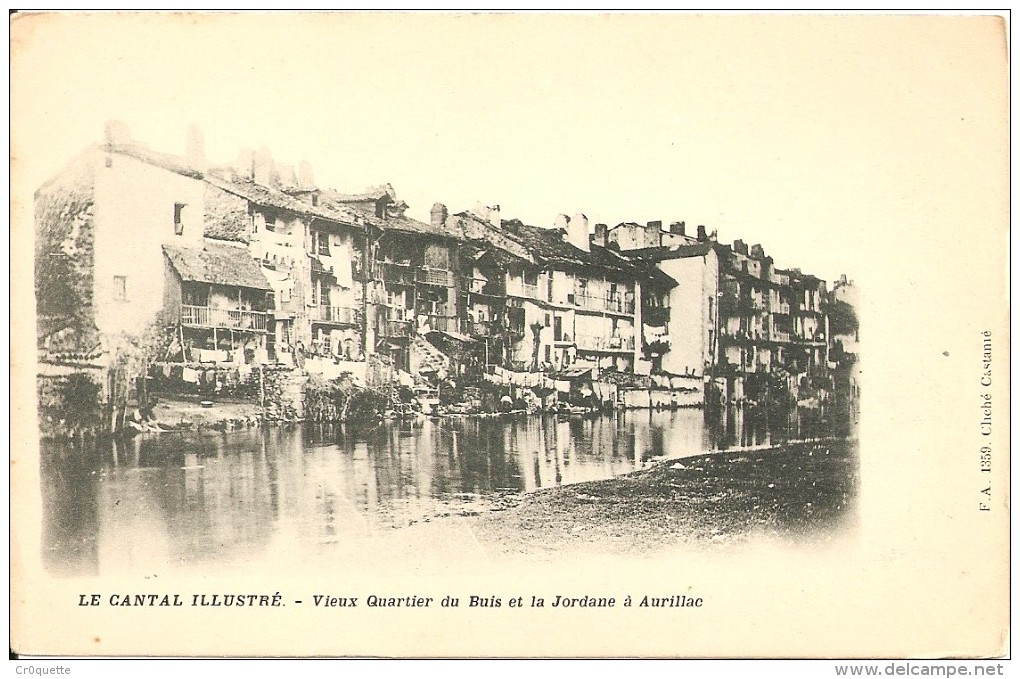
(177, 414)
(801, 491)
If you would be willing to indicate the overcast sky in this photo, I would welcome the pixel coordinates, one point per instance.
(804, 134)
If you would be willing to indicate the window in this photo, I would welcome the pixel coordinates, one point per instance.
(320, 292)
(178, 222)
(322, 243)
(270, 221)
(547, 320)
(120, 288)
(558, 328)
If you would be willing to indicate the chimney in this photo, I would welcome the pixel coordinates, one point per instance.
(117, 133)
(561, 222)
(740, 246)
(194, 149)
(245, 164)
(601, 237)
(288, 178)
(494, 218)
(653, 234)
(264, 169)
(702, 234)
(677, 228)
(577, 232)
(757, 251)
(439, 215)
(305, 177)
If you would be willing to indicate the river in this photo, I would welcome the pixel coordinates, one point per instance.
(197, 500)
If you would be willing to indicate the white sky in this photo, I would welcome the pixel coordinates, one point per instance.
(806, 134)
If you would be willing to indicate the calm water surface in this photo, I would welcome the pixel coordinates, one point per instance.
(232, 499)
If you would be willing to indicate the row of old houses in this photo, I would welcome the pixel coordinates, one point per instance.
(252, 263)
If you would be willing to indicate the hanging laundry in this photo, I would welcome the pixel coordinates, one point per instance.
(342, 269)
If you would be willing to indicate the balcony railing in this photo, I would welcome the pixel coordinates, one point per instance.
(236, 319)
(441, 277)
(743, 334)
(445, 323)
(779, 336)
(479, 328)
(782, 308)
(617, 304)
(399, 274)
(593, 343)
(335, 314)
(395, 328)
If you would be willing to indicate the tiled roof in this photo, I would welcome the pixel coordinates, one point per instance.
(143, 153)
(549, 245)
(365, 209)
(671, 252)
(218, 264)
(270, 197)
(505, 248)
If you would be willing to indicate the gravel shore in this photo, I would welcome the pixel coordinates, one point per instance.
(795, 492)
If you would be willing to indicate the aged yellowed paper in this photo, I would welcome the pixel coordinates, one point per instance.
(729, 181)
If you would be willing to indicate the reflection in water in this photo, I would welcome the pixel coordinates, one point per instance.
(233, 498)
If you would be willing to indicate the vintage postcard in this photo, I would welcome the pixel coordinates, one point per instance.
(509, 335)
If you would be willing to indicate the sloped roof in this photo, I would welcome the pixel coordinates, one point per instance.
(167, 161)
(261, 194)
(223, 178)
(217, 264)
(671, 252)
(364, 207)
(549, 245)
(505, 248)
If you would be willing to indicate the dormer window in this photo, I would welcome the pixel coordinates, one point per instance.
(178, 221)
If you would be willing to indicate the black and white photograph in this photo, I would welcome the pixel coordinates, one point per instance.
(521, 335)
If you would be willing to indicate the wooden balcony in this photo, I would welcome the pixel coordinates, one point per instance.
(395, 329)
(604, 344)
(440, 277)
(339, 315)
(395, 274)
(479, 328)
(445, 323)
(233, 319)
(614, 304)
